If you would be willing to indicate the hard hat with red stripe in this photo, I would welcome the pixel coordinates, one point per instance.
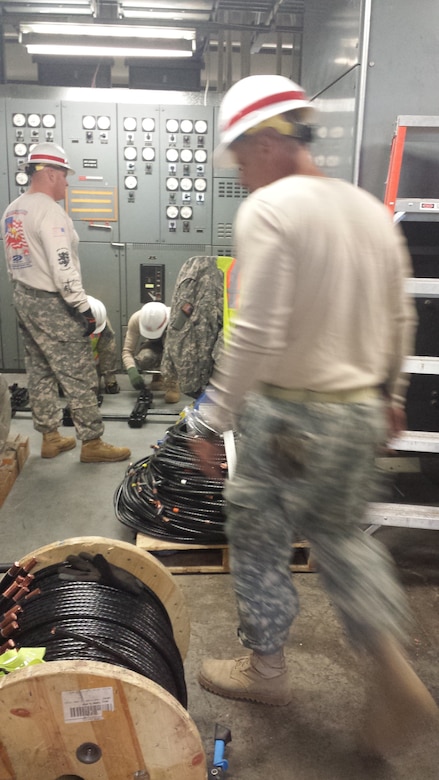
(153, 319)
(253, 100)
(48, 153)
(99, 313)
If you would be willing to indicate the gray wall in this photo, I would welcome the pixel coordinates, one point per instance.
(330, 74)
(402, 78)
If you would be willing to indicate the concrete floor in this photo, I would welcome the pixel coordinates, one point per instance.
(314, 737)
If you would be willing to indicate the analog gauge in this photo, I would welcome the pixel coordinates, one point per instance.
(31, 146)
(200, 155)
(49, 120)
(130, 123)
(130, 153)
(171, 126)
(186, 155)
(186, 212)
(20, 150)
(21, 178)
(186, 125)
(186, 184)
(200, 185)
(148, 153)
(171, 155)
(148, 124)
(18, 120)
(104, 122)
(89, 122)
(172, 212)
(34, 120)
(130, 182)
(172, 183)
(200, 126)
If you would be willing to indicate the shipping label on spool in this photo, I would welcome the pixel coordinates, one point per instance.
(87, 704)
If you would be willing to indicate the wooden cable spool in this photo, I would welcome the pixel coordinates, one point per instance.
(140, 731)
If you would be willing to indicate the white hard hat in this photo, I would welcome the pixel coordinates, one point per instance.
(251, 101)
(154, 317)
(48, 153)
(99, 313)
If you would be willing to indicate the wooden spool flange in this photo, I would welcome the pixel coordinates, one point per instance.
(87, 720)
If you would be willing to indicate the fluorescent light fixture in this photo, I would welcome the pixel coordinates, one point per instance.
(107, 31)
(106, 40)
(87, 50)
(23, 8)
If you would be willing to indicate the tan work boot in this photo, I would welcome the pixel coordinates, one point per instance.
(400, 708)
(98, 451)
(53, 444)
(172, 394)
(157, 383)
(260, 678)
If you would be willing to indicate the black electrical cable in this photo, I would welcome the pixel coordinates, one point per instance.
(91, 620)
(166, 496)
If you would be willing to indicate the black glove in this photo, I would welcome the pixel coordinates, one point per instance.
(90, 322)
(95, 568)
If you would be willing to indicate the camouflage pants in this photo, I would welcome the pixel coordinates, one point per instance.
(107, 355)
(56, 352)
(306, 471)
(149, 356)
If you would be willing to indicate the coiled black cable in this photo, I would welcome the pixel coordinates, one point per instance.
(166, 496)
(99, 622)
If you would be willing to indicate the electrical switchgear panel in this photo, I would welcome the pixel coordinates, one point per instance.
(144, 196)
(152, 283)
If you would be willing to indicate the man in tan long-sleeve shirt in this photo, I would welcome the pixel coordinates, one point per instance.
(311, 379)
(143, 349)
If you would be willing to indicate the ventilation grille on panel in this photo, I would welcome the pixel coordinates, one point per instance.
(224, 231)
(155, 249)
(231, 189)
(224, 251)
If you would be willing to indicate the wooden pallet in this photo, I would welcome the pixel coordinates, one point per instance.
(211, 559)
(12, 460)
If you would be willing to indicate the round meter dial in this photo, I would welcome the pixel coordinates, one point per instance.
(172, 212)
(186, 184)
(200, 155)
(130, 124)
(186, 212)
(171, 126)
(130, 153)
(200, 126)
(21, 178)
(171, 155)
(49, 120)
(34, 120)
(200, 185)
(130, 182)
(148, 154)
(18, 120)
(186, 155)
(104, 122)
(89, 122)
(20, 150)
(186, 126)
(148, 124)
(172, 183)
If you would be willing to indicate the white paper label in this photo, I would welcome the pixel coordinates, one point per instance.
(89, 704)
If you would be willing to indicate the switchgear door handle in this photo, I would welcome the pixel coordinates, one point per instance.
(99, 226)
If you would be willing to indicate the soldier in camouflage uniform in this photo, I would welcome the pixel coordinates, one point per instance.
(194, 336)
(54, 316)
(143, 350)
(311, 379)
